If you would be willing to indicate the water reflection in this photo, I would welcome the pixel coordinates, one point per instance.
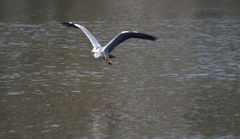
(185, 86)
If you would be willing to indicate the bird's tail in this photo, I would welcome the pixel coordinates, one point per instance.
(112, 56)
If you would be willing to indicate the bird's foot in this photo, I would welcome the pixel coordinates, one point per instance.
(109, 62)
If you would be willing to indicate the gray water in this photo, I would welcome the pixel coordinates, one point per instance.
(183, 86)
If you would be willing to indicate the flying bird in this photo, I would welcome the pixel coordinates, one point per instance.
(105, 52)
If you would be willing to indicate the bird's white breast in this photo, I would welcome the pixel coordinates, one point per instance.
(97, 53)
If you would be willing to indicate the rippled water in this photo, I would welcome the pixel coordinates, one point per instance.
(184, 85)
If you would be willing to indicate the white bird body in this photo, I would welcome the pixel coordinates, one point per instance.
(97, 52)
(104, 52)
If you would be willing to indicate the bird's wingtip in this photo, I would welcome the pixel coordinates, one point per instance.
(66, 23)
(154, 38)
(69, 24)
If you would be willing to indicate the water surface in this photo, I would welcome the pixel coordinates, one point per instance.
(184, 85)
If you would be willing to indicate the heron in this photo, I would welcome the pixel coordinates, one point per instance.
(104, 52)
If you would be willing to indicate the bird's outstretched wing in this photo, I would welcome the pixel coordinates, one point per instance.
(92, 39)
(127, 35)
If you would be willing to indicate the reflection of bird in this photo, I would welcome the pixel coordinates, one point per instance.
(104, 52)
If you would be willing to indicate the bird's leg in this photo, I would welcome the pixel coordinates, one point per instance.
(112, 56)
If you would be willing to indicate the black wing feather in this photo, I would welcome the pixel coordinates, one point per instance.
(125, 36)
(69, 24)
